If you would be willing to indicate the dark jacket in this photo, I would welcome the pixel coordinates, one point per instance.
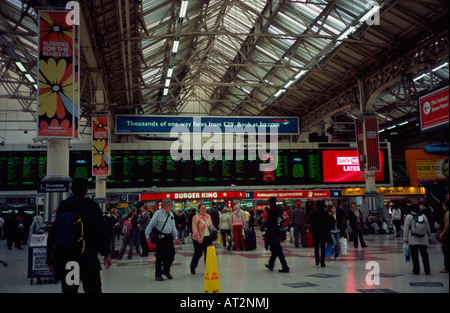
(273, 214)
(95, 234)
(298, 217)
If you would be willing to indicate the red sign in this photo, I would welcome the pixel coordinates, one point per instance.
(342, 166)
(372, 145)
(359, 130)
(292, 194)
(195, 195)
(433, 109)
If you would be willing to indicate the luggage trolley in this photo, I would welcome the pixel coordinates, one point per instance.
(37, 260)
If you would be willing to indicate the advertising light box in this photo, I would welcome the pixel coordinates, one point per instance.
(342, 166)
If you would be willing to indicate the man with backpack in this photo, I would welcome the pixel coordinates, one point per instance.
(417, 235)
(75, 238)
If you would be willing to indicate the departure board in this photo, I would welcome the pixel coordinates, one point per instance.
(227, 169)
(130, 174)
(214, 170)
(158, 167)
(200, 168)
(80, 164)
(115, 180)
(143, 168)
(34, 168)
(172, 168)
(22, 170)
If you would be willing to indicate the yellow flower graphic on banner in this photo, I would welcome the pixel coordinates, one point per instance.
(101, 147)
(55, 88)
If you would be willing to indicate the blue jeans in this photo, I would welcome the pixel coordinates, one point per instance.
(336, 243)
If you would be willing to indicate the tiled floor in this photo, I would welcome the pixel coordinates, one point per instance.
(244, 272)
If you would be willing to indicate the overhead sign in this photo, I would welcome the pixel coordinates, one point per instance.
(163, 124)
(297, 194)
(433, 108)
(101, 151)
(195, 195)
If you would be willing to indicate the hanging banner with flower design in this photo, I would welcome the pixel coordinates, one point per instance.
(101, 152)
(58, 76)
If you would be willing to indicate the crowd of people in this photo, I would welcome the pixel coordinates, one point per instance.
(328, 224)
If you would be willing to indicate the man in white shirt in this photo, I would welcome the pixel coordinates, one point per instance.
(164, 221)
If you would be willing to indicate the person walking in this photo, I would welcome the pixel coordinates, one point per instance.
(397, 219)
(128, 234)
(416, 233)
(180, 222)
(336, 231)
(274, 220)
(238, 222)
(202, 227)
(225, 226)
(357, 224)
(164, 222)
(143, 221)
(298, 221)
(319, 221)
(94, 236)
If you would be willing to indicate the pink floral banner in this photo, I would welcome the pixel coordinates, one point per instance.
(58, 76)
(101, 152)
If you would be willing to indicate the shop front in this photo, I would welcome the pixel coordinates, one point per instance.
(191, 200)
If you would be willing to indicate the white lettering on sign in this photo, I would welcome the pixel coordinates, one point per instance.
(347, 161)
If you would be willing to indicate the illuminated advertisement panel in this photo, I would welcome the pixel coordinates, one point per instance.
(342, 166)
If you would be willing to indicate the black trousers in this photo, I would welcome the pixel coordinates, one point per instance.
(165, 254)
(143, 242)
(199, 249)
(415, 249)
(89, 277)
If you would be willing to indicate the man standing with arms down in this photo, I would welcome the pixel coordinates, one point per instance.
(274, 235)
(164, 221)
(298, 220)
(94, 237)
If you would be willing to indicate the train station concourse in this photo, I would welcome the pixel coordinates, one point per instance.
(312, 137)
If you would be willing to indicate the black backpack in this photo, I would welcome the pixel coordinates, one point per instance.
(69, 233)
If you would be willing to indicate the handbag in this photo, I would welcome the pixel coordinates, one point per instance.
(212, 234)
(406, 252)
(155, 234)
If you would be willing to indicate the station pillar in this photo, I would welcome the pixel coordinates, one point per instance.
(56, 185)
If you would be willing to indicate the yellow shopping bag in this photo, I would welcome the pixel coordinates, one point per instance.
(219, 238)
(211, 283)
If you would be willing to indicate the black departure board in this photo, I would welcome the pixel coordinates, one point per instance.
(80, 164)
(200, 168)
(22, 170)
(158, 167)
(143, 168)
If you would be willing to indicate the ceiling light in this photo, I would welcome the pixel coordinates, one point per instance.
(279, 92)
(404, 123)
(435, 69)
(183, 10)
(344, 35)
(169, 72)
(420, 77)
(30, 78)
(21, 67)
(166, 91)
(176, 45)
(167, 83)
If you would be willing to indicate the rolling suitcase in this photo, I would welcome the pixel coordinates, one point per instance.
(309, 239)
(250, 240)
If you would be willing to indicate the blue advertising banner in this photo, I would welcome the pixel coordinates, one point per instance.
(162, 124)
